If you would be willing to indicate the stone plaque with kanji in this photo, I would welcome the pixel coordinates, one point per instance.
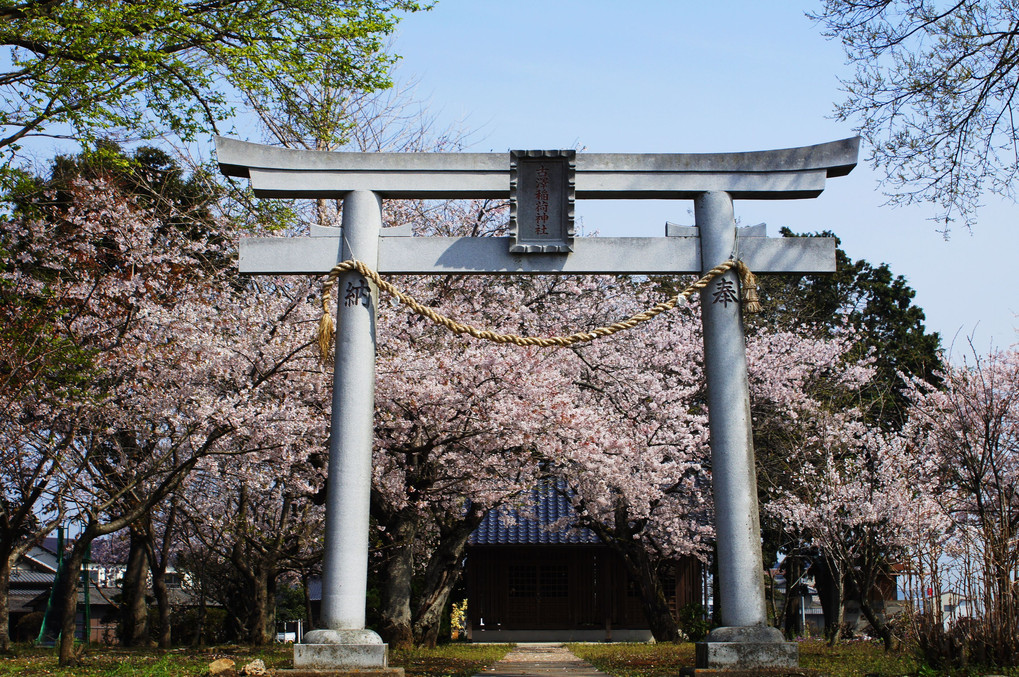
(542, 191)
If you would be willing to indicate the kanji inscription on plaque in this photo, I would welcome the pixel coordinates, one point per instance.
(542, 191)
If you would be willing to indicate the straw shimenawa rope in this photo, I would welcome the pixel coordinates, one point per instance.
(326, 328)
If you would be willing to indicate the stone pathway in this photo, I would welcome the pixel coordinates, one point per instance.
(541, 660)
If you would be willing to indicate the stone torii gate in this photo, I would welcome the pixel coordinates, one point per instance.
(542, 186)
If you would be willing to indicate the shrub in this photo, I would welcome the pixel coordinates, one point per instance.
(693, 621)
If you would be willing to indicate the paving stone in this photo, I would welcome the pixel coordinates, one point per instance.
(541, 660)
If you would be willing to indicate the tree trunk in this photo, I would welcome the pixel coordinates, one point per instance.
(638, 563)
(442, 574)
(134, 612)
(652, 595)
(256, 622)
(622, 538)
(269, 628)
(6, 564)
(203, 613)
(792, 569)
(157, 563)
(163, 604)
(428, 621)
(67, 594)
(879, 626)
(829, 583)
(397, 571)
(259, 626)
(307, 602)
(865, 581)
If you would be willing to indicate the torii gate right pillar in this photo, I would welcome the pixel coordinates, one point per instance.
(745, 639)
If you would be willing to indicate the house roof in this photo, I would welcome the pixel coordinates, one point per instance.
(545, 517)
(26, 578)
(98, 598)
(20, 603)
(36, 559)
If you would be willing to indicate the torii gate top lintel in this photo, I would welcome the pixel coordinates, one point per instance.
(784, 174)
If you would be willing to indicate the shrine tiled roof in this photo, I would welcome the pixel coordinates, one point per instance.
(543, 516)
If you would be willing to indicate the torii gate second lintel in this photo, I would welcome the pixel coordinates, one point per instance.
(711, 180)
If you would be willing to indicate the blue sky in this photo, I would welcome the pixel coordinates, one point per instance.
(673, 76)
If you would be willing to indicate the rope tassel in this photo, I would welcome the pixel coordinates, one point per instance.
(748, 283)
(327, 328)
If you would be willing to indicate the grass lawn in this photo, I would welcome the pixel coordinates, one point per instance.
(454, 660)
(138, 662)
(636, 660)
(854, 659)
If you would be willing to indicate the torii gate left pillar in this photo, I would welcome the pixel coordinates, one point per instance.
(711, 180)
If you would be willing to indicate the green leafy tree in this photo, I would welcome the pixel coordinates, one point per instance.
(933, 93)
(83, 68)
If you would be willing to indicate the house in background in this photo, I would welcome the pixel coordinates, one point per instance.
(809, 607)
(31, 577)
(531, 576)
(32, 580)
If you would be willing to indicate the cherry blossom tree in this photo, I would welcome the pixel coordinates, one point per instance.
(931, 91)
(183, 362)
(44, 372)
(256, 515)
(646, 489)
(640, 480)
(870, 306)
(47, 370)
(458, 422)
(328, 118)
(121, 466)
(865, 497)
(971, 427)
(460, 425)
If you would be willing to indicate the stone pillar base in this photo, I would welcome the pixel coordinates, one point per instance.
(357, 651)
(747, 655)
(751, 672)
(742, 648)
(340, 656)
